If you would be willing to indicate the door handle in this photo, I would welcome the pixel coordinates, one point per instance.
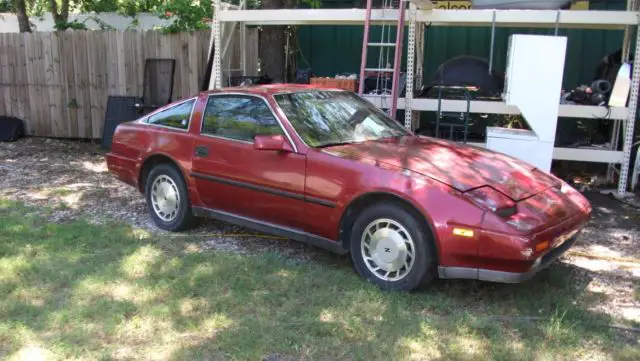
(202, 151)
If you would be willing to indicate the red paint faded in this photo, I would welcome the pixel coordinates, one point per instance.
(434, 176)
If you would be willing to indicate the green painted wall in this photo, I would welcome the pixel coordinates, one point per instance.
(328, 50)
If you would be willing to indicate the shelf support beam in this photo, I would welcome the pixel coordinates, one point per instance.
(215, 82)
(419, 63)
(626, 49)
(631, 120)
(411, 71)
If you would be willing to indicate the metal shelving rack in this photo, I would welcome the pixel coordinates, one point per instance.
(421, 13)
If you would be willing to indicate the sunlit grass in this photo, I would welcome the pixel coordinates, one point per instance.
(81, 291)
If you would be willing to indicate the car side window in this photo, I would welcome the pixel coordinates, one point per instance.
(239, 117)
(175, 117)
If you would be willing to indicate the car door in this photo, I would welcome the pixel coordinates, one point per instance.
(233, 177)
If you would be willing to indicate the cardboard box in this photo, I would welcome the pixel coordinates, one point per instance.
(346, 84)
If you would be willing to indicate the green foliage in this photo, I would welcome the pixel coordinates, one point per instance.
(99, 6)
(6, 6)
(188, 15)
(37, 7)
(125, 7)
(314, 4)
(73, 25)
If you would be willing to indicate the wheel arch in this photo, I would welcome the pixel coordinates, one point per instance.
(152, 161)
(363, 201)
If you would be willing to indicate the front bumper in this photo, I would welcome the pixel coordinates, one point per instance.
(508, 277)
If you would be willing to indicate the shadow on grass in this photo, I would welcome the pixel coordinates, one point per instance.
(101, 292)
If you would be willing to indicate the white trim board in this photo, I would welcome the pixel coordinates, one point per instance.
(585, 154)
(591, 19)
(496, 107)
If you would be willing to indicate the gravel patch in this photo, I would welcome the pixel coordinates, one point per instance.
(71, 179)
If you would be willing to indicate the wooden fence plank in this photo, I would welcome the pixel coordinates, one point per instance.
(4, 75)
(52, 81)
(99, 97)
(46, 63)
(39, 77)
(128, 55)
(34, 67)
(92, 66)
(252, 52)
(121, 70)
(180, 49)
(138, 58)
(21, 103)
(112, 62)
(82, 83)
(16, 52)
(59, 82)
(10, 85)
(192, 64)
(70, 112)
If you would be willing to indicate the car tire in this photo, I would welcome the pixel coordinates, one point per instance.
(168, 199)
(387, 236)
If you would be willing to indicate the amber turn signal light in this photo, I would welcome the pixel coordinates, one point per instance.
(463, 232)
(542, 246)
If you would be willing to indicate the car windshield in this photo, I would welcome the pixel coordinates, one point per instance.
(325, 118)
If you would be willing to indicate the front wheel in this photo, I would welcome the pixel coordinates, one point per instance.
(168, 199)
(391, 249)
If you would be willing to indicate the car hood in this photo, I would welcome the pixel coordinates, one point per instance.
(462, 167)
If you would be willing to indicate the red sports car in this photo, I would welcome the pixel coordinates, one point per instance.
(328, 168)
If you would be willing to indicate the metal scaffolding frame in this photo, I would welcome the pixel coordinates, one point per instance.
(420, 13)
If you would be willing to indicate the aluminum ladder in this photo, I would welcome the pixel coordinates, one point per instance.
(397, 46)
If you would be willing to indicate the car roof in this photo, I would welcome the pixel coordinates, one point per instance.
(270, 89)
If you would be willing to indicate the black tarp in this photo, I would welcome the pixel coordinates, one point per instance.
(466, 71)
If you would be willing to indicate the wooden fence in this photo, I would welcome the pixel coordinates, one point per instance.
(58, 82)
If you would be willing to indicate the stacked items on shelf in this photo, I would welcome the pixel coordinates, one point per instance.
(417, 20)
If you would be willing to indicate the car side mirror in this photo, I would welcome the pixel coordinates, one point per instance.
(272, 142)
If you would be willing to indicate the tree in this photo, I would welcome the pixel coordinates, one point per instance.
(273, 39)
(20, 7)
(60, 16)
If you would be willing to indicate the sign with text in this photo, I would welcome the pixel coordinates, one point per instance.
(466, 4)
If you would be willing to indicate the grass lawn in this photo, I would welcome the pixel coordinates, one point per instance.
(80, 291)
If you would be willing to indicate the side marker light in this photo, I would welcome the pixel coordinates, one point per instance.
(463, 232)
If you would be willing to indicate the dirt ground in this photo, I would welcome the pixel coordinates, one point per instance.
(72, 179)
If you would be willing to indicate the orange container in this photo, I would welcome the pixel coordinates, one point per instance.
(346, 84)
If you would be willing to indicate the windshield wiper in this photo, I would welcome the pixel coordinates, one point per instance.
(332, 144)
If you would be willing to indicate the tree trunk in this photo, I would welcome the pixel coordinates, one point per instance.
(21, 12)
(272, 41)
(61, 16)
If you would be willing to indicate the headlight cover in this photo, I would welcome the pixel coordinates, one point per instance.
(490, 199)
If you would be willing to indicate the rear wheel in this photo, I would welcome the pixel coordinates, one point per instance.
(168, 199)
(391, 249)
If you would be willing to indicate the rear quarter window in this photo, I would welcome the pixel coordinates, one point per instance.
(177, 116)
